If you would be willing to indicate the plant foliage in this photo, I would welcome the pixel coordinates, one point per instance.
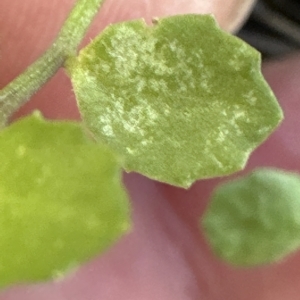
(256, 219)
(61, 200)
(180, 101)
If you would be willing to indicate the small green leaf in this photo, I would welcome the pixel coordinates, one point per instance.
(61, 200)
(180, 101)
(255, 220)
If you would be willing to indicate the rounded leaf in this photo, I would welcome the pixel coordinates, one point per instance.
(61, 200)
(180, 101)
(256, 219)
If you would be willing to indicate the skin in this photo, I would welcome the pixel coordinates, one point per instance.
(165, 256)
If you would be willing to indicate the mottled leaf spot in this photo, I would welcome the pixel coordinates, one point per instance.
(180, 100)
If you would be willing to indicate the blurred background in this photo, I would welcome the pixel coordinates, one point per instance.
(273, 27)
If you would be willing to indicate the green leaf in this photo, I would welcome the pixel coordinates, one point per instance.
(255, 220)
(180, 101)
(61, 200)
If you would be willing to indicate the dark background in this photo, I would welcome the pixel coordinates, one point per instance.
(273, 27)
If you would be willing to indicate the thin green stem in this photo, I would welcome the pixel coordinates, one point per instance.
(17, 92)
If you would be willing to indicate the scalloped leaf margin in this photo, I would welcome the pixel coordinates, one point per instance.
(181, 100)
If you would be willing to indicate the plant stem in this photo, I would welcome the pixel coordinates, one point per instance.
(17, 92)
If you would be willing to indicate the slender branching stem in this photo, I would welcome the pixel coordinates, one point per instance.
(17, 92)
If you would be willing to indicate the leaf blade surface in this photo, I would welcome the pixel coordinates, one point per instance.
(61, 200)
(181, 100)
